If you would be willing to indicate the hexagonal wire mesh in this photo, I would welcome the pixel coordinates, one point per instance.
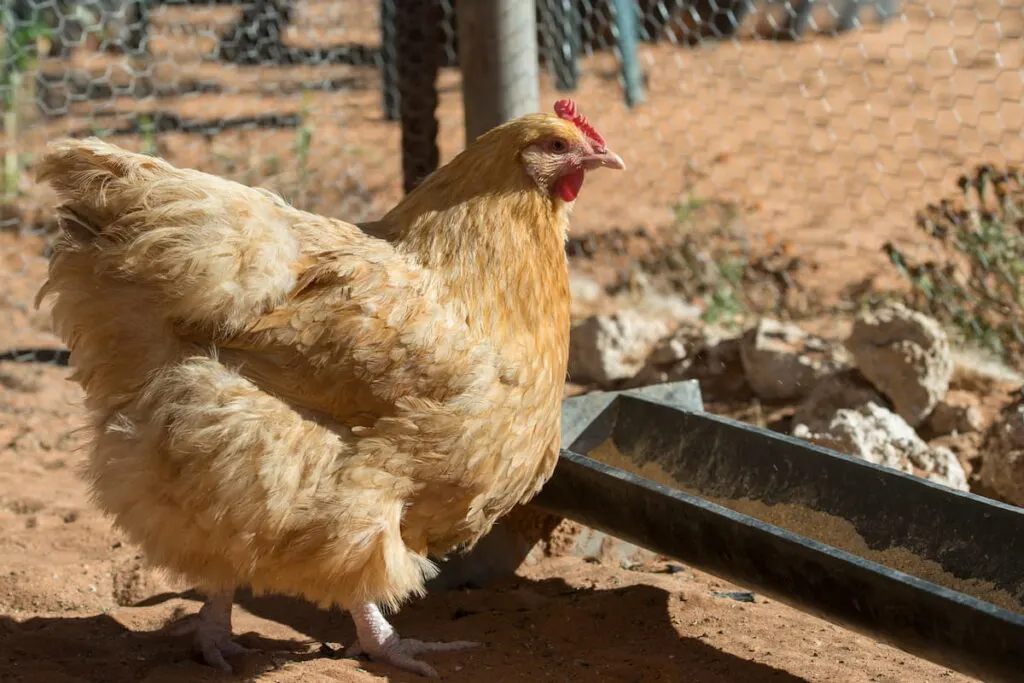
(781, 150)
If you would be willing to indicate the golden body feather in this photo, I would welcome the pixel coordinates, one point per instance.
(301, 405)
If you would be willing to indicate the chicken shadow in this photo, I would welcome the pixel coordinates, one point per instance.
(99, 648)
(529, 630)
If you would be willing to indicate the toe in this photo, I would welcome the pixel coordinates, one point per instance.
(404, 661)
(215, 650)
(355, 650)
(419, 647)
(213, 656)
(231, 648)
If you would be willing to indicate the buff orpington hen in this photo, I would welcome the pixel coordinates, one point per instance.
(309, 407)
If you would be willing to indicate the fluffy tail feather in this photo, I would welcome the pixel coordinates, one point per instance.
(209, 252)
(147, 251)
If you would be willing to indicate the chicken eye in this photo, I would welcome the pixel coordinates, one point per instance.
(559, 146)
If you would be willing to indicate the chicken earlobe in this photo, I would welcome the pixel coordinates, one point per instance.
(379, 641)
(212, 631)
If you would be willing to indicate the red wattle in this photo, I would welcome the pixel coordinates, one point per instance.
(568, 186)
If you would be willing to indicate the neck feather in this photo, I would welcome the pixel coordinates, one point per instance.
(497, 253)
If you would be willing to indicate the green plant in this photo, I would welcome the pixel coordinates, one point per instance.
(272, 165)
(303, 142)
(724, 303)
(19, 40)
(148, 130)
(17, 57)
(707, 260)
(685, 210)
(975, 284)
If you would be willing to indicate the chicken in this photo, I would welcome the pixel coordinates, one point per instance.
(309, 407)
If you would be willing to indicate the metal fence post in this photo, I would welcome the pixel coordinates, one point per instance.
(498, 54)
(626, 27)
(800, 16)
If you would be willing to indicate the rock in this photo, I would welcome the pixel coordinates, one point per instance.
(693, 350)
(678, 348)
(738, 596)
(959, 412)
(584, 289)
(782, 361)
(571, 538)
(718, 356)
(671, 358)
(608, 348)
(878, 435)
(939, 464)
(1002, 465)
(846, 389)
(672, 308)
(982, 372)
(906, 355)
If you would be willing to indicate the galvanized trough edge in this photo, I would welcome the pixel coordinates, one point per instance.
(945, 626)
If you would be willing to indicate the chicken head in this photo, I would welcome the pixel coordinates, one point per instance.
(559, 161)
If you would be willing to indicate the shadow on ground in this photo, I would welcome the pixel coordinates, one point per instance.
(530, 631)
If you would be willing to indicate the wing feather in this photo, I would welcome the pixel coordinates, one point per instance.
(362, 330)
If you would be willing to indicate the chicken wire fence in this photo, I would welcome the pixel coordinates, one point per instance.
(824, 146)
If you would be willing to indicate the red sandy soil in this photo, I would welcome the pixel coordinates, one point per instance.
(78, 605)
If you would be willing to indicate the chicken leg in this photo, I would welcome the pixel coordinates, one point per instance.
(378, 639)
(212, 631)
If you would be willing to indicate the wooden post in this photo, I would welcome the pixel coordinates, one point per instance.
(498, 54)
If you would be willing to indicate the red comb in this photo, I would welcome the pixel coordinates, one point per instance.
(566, 109)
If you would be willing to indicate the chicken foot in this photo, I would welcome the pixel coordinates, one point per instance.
(378, 640)
(212, 631)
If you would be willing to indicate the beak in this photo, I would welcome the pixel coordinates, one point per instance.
(603, 157)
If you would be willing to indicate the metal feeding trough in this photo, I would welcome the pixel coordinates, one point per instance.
(928, 569)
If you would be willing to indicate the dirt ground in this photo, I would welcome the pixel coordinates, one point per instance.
(78, 605)
(822, 149)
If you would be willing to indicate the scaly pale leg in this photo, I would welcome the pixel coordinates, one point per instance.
(379, 640)
(212, 631)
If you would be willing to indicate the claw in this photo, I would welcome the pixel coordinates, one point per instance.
(215, 647)
(379, 641)
(212, 629)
